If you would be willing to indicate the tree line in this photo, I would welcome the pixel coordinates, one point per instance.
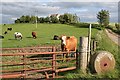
(103, 17)
(65, 18)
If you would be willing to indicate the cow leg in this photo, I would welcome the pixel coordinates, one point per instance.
(67, 54)
(75, 52)
(21, 37)
(64, 57)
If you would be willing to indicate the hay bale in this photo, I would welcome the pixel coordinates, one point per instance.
(102, 61)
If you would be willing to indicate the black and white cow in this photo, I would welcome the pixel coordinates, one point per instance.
(18, 35)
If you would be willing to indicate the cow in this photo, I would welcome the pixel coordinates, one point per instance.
(68, 44)
(9, 29)
(1, 37)
(56, 37)
(34, 35)
(5, 32)
(18, 35)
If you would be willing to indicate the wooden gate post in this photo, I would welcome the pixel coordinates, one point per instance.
(77, 60)
(24, 66)
(53, 63)
(83, 53)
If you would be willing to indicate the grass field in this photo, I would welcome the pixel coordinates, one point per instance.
(45, 33)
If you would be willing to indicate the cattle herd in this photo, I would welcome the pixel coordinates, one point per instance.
(6, 32)
(17, 35)
(68, 43)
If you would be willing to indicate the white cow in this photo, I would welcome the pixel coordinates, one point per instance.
(18, 35)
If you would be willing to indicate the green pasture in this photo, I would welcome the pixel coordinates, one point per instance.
(45, 33)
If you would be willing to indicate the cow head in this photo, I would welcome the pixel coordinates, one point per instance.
(63, 39)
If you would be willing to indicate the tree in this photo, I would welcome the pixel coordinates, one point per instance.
(27, 19)
(68, 18)
(33, 19)
(47, 19)
(103, 17)
(76, 19)
(17, 21)
(41, 20)
(54, 19)
(61, 19)
(22, 19)
(117, 25)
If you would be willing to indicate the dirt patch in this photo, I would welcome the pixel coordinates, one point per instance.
(113, 36)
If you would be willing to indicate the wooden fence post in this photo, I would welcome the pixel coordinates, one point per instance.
(24, 66)
(77, 60)
(94, 45)
(89, 41)
(83, 53)
(54, 62)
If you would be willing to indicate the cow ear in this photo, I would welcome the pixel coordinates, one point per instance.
(68, 37)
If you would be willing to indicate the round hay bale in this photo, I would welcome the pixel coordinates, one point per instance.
(102, 61)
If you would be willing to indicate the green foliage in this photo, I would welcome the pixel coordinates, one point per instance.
(17, 21)
(103, 17)
(86, 25)
(61, 19)
(41, 20)
(117, 26)
(68, 18)
(22, 19)
(26, 19)
(47, 19)
(33, 19)
(54, 19)
(110, 74)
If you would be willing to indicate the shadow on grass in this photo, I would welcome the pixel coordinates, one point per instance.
(29, 37)
(11, 39)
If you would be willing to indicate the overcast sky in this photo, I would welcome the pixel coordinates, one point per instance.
(11, 10)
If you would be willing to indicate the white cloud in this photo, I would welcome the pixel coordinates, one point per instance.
(85, 10)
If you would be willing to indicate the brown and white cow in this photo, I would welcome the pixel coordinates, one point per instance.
(34, 35)
(68, 43)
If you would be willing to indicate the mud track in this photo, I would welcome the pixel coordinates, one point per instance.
(113, 36)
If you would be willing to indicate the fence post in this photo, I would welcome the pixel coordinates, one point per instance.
(24, 66)
(94, 45)
(77, 60)
(89, 41)
(53, 63)
(83, 53)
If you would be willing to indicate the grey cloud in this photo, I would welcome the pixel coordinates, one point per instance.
(15, 9)
(85, 10)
